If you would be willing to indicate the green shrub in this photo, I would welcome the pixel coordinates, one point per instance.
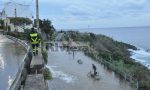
(19, 35)
(45, 56)
(47, 74)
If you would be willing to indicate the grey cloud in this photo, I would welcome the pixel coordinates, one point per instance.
(22, 11)
(85, 11)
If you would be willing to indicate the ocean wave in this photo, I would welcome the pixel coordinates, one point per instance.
(140, 52)
(139, 56)
(61, 75)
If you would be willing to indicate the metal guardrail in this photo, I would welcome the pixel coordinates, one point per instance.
(14, 85)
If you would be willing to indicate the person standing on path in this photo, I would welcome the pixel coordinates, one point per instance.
(94, 68)
(35, 41)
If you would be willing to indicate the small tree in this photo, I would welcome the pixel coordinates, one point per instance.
(46, 27)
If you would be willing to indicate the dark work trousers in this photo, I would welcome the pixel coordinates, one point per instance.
(35, 49)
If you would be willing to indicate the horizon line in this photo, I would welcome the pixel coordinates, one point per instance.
(103, 27)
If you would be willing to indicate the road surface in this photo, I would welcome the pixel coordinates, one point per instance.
(11, 55)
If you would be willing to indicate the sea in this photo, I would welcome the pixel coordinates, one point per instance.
(137, 36)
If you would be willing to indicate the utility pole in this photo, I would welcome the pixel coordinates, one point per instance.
(15, 17)
(15, 12)
(37, 15)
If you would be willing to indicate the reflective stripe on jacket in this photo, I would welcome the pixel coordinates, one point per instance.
(34, 38)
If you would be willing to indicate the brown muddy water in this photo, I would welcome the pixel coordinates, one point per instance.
(69, 75)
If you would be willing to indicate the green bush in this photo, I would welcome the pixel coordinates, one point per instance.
(20, 20)
(19, 35)
(45, 56)
(47, 74)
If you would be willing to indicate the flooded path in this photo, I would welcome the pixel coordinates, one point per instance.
(11, 55)
(69, 75)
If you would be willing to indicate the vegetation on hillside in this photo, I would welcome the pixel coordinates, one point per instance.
(20, 20)
(114, 54)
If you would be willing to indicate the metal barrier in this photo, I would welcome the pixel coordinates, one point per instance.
(18, 79)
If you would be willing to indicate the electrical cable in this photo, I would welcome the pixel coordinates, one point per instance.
(25, 7)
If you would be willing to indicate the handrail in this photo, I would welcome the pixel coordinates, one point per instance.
(21, 67)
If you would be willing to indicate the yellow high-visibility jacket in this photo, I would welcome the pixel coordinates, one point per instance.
(34, 38)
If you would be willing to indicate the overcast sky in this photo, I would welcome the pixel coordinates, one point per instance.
(93, 13)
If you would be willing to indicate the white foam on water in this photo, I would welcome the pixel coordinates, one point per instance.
(140, 52)
(54, 66)
(2, 64)
(61, 75)
(10, 81)
(57, 49)
(138, 55)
